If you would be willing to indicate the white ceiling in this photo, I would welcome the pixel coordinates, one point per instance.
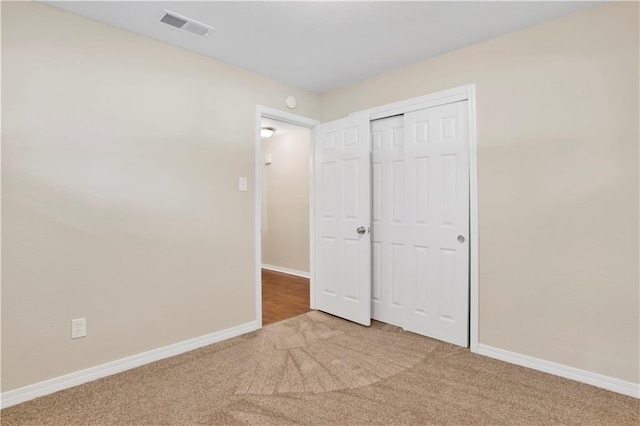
(321, 46)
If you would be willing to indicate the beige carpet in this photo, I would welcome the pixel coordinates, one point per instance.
(317, 369)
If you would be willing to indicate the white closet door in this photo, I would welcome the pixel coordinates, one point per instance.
(437, 229)
(387, 219)
(342, 218)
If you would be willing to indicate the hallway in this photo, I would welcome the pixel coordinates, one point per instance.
(283, 296)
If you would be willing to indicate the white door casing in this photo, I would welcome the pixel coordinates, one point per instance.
(342, 205)
(436, 155)
(387, 219)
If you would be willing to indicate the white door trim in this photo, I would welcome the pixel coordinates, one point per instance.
(266, 112)
(457, 94)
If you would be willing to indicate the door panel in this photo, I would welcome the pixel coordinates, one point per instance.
(436, 160)
(343, 204)
(387, 166)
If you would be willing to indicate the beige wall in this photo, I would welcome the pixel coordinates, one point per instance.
(121, 158)
(120, 164)
(558, 182)
(285, 201)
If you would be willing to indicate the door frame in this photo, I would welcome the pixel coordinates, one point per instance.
(309, 123)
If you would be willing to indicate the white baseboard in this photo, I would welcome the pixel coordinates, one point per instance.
(46, 387)
(286, 270)
(583, 376)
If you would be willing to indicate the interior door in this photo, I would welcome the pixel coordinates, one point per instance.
(387, 220)
(342, 218)
(437, 230)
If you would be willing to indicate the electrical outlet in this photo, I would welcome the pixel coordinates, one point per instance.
(78, 328)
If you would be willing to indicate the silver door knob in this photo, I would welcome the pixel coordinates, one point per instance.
(460, 239)
(361, 230)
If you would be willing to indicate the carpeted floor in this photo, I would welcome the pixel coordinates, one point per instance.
(318, 369)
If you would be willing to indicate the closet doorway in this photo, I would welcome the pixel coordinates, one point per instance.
(396, 216)
(420, 221)
(285, 207)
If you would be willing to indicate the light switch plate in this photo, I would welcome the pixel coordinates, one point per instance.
(242, 184)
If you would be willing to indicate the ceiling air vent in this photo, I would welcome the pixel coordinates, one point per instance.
(185, 24)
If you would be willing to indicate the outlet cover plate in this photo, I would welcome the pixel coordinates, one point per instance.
(78, 328)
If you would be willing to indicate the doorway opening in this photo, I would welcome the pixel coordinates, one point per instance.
(285, 198)
(283, 218)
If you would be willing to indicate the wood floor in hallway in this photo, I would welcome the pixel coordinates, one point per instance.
(283, 296)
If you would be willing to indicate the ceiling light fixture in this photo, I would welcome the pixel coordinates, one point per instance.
(267, 132)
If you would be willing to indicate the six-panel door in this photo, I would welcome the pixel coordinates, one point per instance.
(436, 160)
(342, 205)
(387, 220)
